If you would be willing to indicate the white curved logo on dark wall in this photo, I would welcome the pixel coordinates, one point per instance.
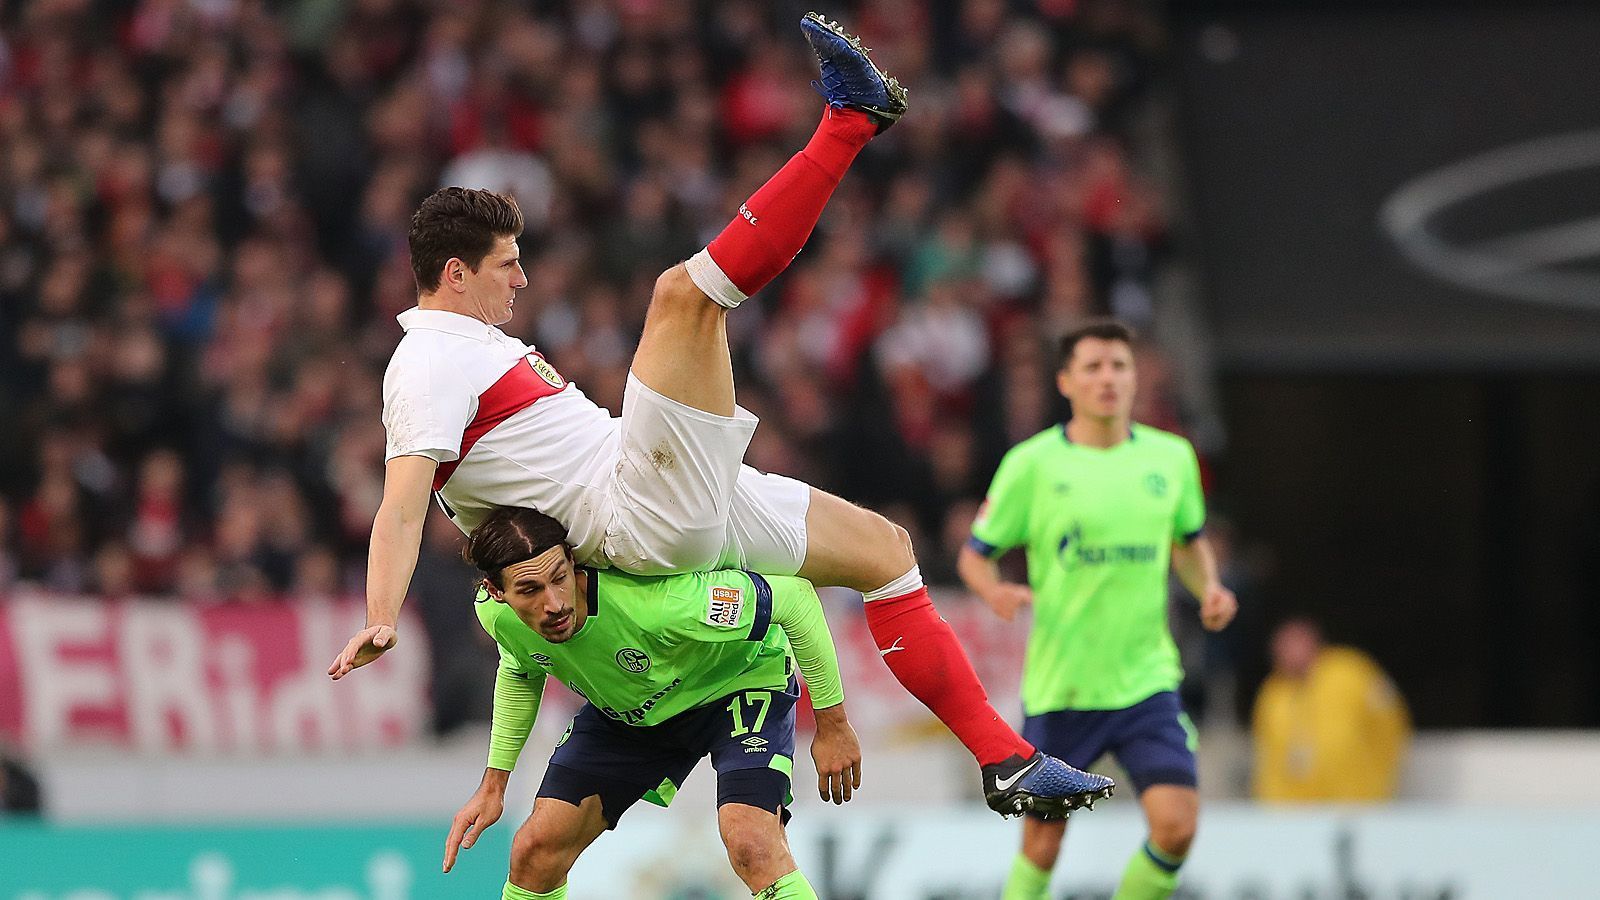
(1523, 265)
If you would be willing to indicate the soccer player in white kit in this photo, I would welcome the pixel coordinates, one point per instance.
(478, 420)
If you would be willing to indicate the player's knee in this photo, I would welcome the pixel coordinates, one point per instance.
(539, 860)
(674, 288)
(754, 857)
(897, 557)
(1173, 835)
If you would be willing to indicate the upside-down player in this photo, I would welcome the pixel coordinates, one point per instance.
(482, 420)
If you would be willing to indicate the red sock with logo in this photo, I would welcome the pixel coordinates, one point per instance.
(775, 222)
(927, 658)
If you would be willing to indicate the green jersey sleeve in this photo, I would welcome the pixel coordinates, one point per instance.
(1002, 521)
(516, 708)
(797, 609)
(1190, 517)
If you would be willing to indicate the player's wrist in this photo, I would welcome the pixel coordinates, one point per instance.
(495, 779)
(831, 716)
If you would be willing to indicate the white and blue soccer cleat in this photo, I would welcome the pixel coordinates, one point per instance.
(1042, 785)
(850, 80)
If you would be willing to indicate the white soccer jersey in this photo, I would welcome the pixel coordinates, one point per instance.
(504, 426)
(660, 489)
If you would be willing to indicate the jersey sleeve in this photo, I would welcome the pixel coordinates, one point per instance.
(724, 606)
(427, 403)
(1002, 521)
(516, 708)
(1190, 517)
(797, 609)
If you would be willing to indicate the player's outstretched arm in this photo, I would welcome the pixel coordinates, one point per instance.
(484, 809)
(391, 558)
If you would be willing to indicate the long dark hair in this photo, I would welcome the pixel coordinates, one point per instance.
(511, 534)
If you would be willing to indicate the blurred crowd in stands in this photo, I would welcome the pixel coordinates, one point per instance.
(203, 212)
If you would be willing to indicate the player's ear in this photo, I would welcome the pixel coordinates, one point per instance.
(455, 273)
(494, 593)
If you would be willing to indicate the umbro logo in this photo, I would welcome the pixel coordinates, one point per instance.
(755, 743)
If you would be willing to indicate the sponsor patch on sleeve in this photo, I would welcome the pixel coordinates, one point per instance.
(724, 607)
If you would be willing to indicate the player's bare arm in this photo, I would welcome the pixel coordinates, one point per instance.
(484, 809)
(982, 577)
(391, 558)
(837, 755)
(1195, 562)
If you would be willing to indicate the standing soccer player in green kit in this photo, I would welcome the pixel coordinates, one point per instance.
(674, 668)
(1101, 505)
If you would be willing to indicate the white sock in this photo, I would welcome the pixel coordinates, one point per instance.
(899, 587)
(709, 278)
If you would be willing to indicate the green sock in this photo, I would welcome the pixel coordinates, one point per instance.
(792, 886)
(512, 892)
(1026, 881)
(1152, 874)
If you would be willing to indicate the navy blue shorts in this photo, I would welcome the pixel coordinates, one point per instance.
(1153, 740)
(749, 736)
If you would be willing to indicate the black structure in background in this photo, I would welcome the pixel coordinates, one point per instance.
(1423, 456)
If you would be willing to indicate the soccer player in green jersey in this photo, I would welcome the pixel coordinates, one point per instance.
(674, 668)
(1101, 506)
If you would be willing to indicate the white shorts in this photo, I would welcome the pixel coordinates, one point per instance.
(682, 499)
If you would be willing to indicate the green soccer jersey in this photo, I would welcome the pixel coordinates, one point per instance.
(1098, 526)
(652, 648)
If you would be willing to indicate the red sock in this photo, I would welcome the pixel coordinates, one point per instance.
(924, 654)
(775, 222)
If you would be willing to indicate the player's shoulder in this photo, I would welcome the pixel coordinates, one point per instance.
(1161, 441)
(489, 612)
(1048, 441)
(416, 350)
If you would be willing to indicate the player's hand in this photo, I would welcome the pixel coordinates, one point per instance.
(1006, 598)
(1217, 608)
(368, 644)
(837, 755)
(481, 811)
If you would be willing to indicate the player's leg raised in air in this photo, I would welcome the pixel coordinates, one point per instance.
(689, 503)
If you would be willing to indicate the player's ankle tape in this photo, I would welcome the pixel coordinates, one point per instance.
(712, 281)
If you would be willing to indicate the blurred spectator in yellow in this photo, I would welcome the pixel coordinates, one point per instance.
(1329, 724)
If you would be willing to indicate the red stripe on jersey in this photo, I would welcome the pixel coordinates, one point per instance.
(516, 390)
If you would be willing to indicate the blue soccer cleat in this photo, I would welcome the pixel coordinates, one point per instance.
(850, 80)
(1042, 785)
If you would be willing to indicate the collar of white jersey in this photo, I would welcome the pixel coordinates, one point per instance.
(447, 322)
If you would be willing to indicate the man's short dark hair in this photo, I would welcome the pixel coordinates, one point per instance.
(1104, 329)
(459, 223)
(511, 534)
